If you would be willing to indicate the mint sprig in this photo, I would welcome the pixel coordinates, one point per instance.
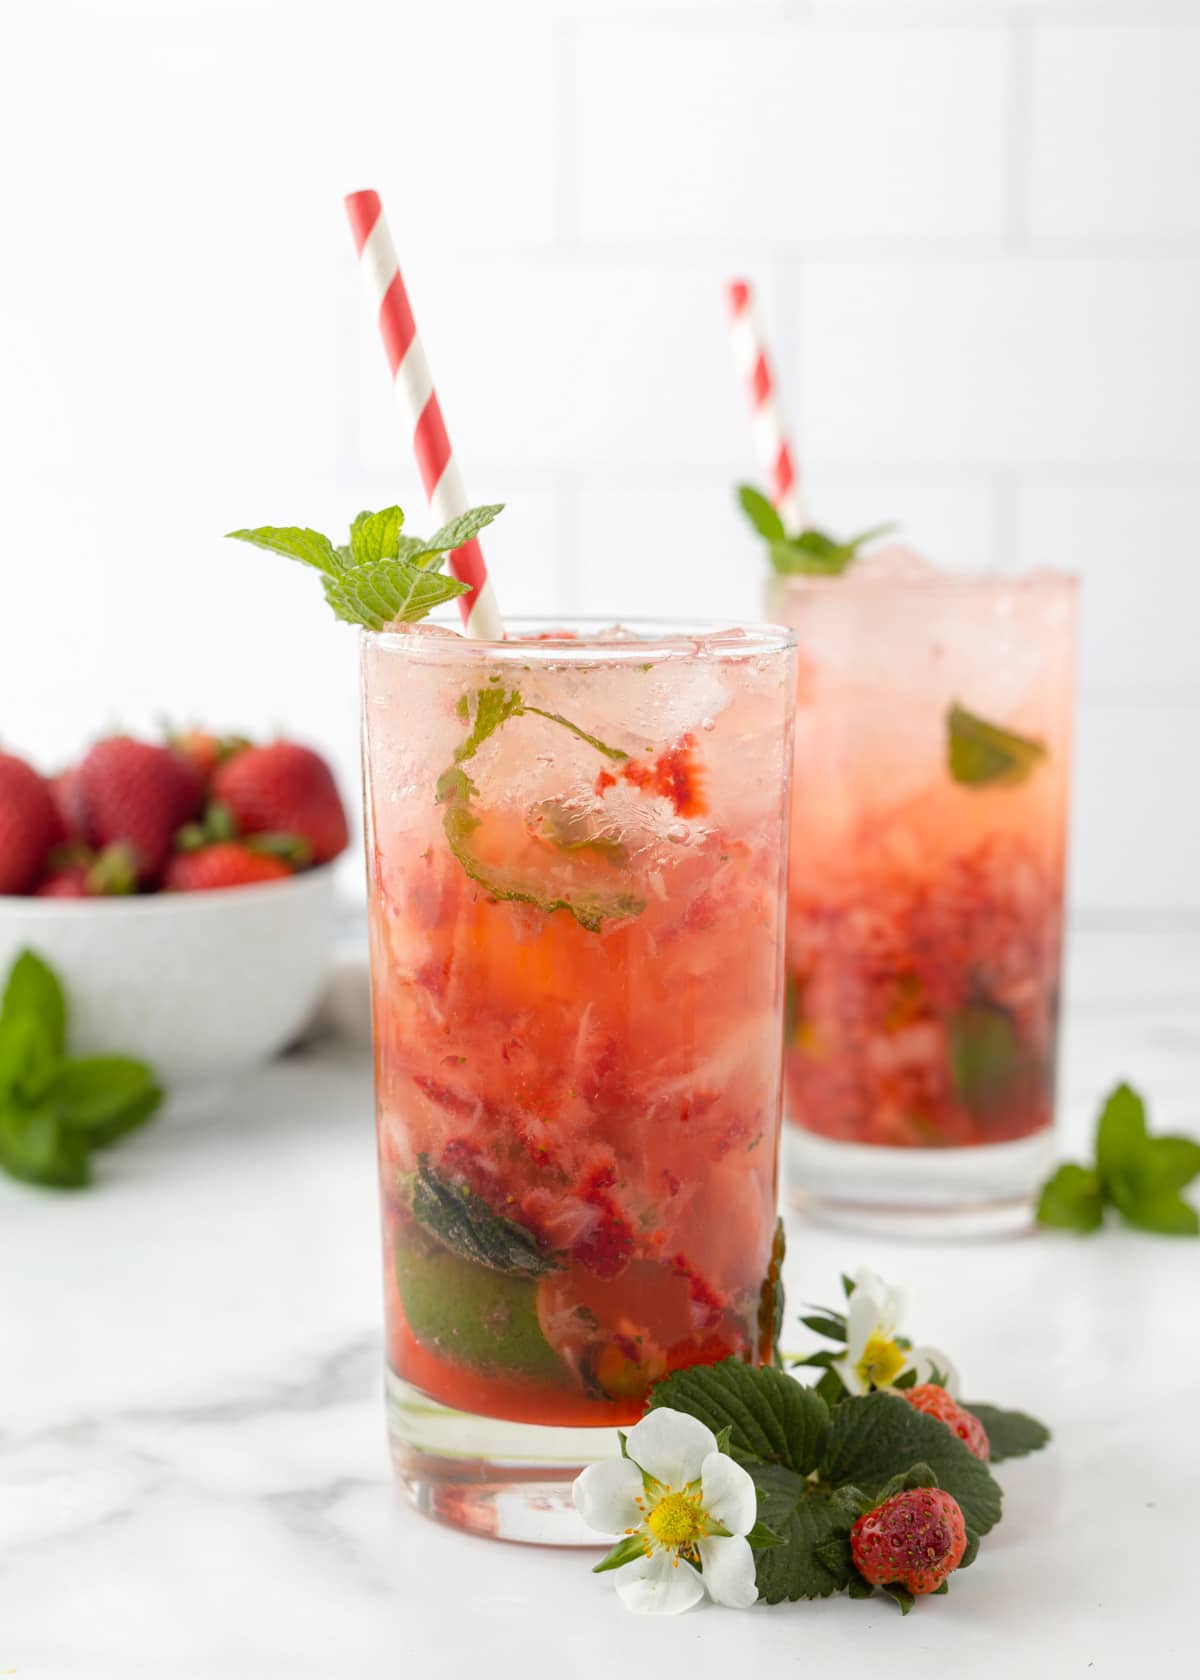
(981, 754)
(380, 576)
(811, 553)
(55, 1109)
(467, 1224)
(488, 710)
(817, 1470)
(1142, 1177)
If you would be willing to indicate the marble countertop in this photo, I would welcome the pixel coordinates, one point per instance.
(193, 1474)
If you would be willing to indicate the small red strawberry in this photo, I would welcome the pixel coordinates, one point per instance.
(67, 791)
(914, 1540)
(29, 824)
(201, 751)
(933, 1400)
(136, 794)
(226, 863)
(284, 789)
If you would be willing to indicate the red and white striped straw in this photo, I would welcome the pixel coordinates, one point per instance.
(770, 428)
(414, 390)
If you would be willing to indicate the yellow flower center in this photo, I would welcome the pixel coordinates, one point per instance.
(881, 1363)
(677, 1521)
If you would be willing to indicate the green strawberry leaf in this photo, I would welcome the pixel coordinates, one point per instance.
(902, 1596)
(33, 989)
(376, 536)
(872, 1435)
(981, 754)
(1072, 1199)
(298, 543)
(813, 1523)
(105, 1097)
(465, 1223)
(773, 1417)
(761, 513)
(37, 1148)
(1010, 1434)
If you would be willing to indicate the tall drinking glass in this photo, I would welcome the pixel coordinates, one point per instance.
(577, 867)
(925, 894)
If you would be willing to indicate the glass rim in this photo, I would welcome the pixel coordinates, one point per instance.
(591, 641)
(1043, 580)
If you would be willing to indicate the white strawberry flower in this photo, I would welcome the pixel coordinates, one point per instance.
(876, 1356)
(684, 1509)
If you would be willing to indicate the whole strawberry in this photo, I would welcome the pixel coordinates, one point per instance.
(29, 824)
(914, 1540)
(932, 1399)
(136, 794)
(226, 863)
(284, 789)
(201, 751)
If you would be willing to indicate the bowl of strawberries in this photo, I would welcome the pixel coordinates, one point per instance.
(183, 891)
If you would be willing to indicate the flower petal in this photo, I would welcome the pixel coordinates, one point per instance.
(660, 1585)
(889, 1301)
(605, 1495)
(728, 1493)
(862, 1322)
(670, 1446)
(926, 1360)
(848, 1371)
(729, 1572)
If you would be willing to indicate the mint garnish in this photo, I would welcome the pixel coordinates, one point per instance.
(816, 1469)
(488, 710)
(1141, 1176)
(380, 577)
(810, 553)
(55, 1109)
(981, 754)
(465, 1223)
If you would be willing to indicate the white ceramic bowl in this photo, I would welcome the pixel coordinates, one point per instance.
(203, 986)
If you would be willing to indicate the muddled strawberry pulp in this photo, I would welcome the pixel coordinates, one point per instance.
(577, 973)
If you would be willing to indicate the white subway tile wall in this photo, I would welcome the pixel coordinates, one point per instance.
(975, 229)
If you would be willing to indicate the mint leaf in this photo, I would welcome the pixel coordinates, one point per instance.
(1010, 1434)
(1120, 1138)
(1072, 1199)
(815, 554)
(771, 1300)
(28, 1059)
(1162, 1211)
(297, 542)
(390, 590)
(773, 1417)
(873, 1436)
(986, 1056)
(1169, 1163)
(38, 1149)
(33, 989)
(981, 754)
(492, 707)
(104, 1097)
(761, 513)
(376, 536)
(455, 532)
(464, 1222)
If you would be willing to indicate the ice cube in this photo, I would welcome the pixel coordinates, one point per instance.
(892, 563)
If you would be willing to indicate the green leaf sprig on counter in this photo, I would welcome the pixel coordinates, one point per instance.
(1141, 1176)
(56, 1109)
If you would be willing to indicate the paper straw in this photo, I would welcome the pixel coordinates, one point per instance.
(417, 397)
(767, 419)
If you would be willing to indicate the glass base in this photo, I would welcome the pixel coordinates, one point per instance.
(987, 1190)
(508, 1481)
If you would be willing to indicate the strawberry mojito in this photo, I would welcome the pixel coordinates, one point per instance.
(925, 895)
(576, 860)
